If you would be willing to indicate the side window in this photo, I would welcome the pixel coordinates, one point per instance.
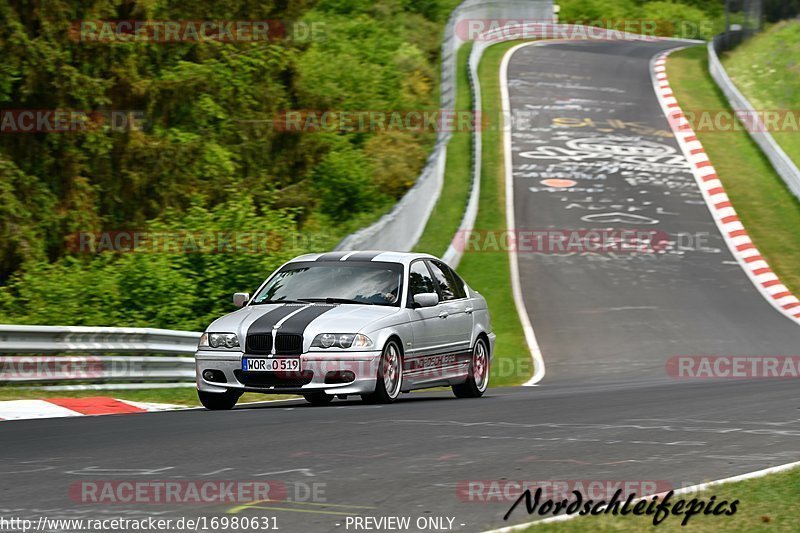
(442, 281)
(455, 281)
(419, 279)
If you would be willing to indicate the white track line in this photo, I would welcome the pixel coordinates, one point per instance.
(717, 201)
(516, 287)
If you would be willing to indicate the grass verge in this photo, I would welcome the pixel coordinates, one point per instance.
(448, 211)
(771, 81)
(766, 503)
(179, 396)
(488, 272)
(766, 207)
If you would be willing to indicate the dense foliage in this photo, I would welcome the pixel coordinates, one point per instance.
(694, 19)
(204, 154)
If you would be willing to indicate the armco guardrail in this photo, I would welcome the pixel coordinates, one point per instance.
(401, 228)
(39, 369)
(62, 343)
(781, 162)
(53, 339)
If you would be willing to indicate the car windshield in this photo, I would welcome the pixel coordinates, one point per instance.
(335, 282)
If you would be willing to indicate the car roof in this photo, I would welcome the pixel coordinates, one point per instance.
(364, 255)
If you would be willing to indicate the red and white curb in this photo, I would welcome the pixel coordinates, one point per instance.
(734, 233)
(69, 407)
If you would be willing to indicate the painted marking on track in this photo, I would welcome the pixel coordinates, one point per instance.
(305, 471)
(97, 471)
(29, 471)
(221, 470)
(257, 505)
(560, 183)
(620, 218)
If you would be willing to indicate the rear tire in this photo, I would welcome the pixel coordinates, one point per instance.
(478, 377)
(390, 375)
(318, 398)
(218, 401)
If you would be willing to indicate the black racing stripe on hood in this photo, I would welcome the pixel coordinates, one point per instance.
(332, 256)
(297, 324)
(267, 321)
(363, 256)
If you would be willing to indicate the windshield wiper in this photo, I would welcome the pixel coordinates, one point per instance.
(335, 301)
(279, 302)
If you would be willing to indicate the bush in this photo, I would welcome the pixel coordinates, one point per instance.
(343, 180)
(206, 136)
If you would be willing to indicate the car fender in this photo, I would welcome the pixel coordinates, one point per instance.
(381, 334)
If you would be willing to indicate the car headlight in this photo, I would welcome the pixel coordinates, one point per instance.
(219, 341)
(341, 340)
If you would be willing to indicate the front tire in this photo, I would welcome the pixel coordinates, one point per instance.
(318, 398)
(478, 377)
(390, 375)
(218, 401)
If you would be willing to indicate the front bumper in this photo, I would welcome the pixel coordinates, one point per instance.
(364, 366)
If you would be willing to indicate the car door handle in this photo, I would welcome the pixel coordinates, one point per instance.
(444, 314)
(468, 310)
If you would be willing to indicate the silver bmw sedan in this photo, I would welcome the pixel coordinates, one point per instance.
(373, 324)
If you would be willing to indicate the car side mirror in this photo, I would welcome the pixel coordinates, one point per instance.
(240, 299)
(426, 299)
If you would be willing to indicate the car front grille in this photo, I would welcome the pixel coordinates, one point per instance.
(287, 344)
(259, 344)
(274, 379)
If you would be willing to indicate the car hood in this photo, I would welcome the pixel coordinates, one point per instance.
(306, 319)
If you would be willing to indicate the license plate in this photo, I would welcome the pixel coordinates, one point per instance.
(250, 364)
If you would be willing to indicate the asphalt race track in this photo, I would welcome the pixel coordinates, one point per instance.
(606, 409)
(620, 317)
